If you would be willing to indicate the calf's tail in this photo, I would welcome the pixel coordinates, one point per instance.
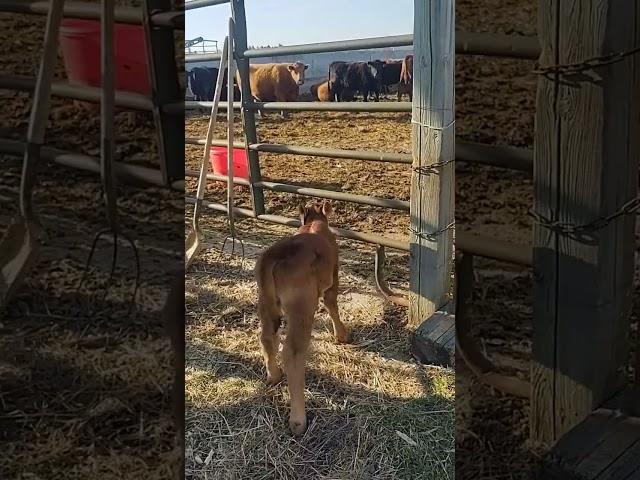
(264, 279)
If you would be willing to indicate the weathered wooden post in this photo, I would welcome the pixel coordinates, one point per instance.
(585, 169)
(432, 181)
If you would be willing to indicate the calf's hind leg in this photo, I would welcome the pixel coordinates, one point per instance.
(299, 326)
(330, 297)
(270, 320)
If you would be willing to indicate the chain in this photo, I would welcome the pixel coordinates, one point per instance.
(588, 64)
(432, 237)
(630, 208)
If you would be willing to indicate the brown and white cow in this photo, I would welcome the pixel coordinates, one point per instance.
(406, 78)
(292, 275)
(276, 82)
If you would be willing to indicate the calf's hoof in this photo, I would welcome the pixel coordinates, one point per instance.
(275, 378)
(298, 426)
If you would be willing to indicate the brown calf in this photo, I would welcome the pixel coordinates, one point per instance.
(321, 92)
(292, 275)
(173, 316)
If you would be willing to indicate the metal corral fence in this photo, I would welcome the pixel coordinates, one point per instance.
(508, 46)
(159, 21)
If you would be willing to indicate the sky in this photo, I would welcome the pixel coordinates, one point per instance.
(292, 22)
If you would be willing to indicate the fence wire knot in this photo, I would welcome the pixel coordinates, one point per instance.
(431, 127)
(432, 236)
(432, 167)
(629, 208)
(588, 64)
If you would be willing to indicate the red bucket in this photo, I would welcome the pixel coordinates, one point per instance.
(218, 158)
(80, 44)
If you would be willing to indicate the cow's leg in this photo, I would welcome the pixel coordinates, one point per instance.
(365, 94)
(299, 326)
(270, 320)
(330, 297)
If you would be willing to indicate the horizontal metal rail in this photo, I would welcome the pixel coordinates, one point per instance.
(394, 107)
(483, 246)
(467, 43)
(513, 158)
(391, 107)
(217, 178)
(331, 195)
(475, 244)
(129, 173)
(86, 10)
(497, 156)
(341, 232)
(203, 3)
(131, 100)
(403, 158)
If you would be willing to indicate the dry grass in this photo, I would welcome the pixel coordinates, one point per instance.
(373, 412)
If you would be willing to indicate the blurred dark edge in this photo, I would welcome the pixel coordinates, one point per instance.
(87, 387)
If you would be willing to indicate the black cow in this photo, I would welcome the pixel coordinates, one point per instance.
(360, 77)
(391, 70)
(202, 82)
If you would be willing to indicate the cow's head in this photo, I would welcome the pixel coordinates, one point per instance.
(297, 71)
(317, 211)
(376, 67)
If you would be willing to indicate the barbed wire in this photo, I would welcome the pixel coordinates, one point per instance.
(632, 207)
(432, 236)
(431, 168)
(588, 64)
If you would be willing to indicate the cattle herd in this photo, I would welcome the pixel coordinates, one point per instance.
(280, 82)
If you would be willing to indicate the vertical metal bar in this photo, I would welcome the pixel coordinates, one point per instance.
(107, 109)
(165, 89)
(230, 114)
(248, 116)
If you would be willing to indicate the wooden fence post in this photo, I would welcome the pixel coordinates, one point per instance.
(585, 168)
(432, 180)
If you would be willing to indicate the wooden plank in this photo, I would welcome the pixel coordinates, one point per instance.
(625, 467)
(433, 342)
(623, 433)
(432, 194)
(604, 446)
(583, 169)
(574, 446)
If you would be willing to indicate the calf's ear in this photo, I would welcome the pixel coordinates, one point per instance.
(291, 68)
(306, 66)
(302, 210)
(327, 209)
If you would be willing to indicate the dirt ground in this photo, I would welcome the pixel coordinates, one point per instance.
(85, 386)
(495, 104)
